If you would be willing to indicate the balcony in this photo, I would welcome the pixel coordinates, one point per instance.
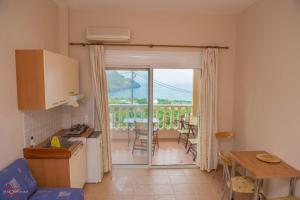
(167, 114)
(166, 117)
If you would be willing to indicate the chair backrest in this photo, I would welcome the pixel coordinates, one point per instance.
(194, 130)
(226, 162)
(141, 128)
(181, 122)
(224, 135)
(16, 181)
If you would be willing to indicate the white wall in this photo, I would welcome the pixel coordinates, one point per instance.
(162, 28)
(24, 24)
(267, 97)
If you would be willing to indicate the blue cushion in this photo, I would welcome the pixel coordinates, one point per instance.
(16, 181)
(58, 194)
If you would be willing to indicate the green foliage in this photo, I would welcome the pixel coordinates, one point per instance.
(122, 100)
(142, 111)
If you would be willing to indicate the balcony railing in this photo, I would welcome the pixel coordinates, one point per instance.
(167, 114)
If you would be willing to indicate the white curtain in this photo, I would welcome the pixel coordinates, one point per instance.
(100, 93)
(208, 103)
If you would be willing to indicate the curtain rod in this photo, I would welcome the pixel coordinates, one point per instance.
(146, 45)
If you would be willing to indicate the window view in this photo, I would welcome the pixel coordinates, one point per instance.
(172, 109)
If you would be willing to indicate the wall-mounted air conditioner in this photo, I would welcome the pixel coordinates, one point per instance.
(108, 34)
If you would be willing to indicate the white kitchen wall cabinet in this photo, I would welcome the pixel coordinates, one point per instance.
(45, 79)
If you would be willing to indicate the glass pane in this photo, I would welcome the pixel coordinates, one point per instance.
(172, 107)
(128, 102)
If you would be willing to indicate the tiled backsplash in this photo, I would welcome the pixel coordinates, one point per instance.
(41, 124)
(82, 114)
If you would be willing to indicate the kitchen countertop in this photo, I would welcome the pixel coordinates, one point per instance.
(44, 149)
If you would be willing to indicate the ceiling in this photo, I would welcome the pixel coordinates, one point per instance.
(193, 6)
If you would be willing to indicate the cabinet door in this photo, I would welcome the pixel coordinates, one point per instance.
(53, 74)
(71, 77)
(77, 164)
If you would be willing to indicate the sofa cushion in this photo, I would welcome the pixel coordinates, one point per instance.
(16, 181)
(58, 194)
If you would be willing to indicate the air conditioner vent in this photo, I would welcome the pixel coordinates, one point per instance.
(108, 34)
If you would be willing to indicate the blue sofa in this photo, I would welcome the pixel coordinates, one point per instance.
(17, 183)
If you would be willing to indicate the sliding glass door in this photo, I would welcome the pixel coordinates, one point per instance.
(128, 92)
(152, 116)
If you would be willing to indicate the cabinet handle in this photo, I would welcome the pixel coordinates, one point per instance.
(62, 101)
(55, 103)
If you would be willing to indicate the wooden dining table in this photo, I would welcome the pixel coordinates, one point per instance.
(263, 170)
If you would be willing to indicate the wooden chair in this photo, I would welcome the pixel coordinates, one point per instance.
(237, 184)
(155, 140)
(223, 135)
(141, 137)
(193, 142)
(183, 130)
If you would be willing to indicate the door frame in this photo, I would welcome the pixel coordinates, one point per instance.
(143, 59)
(149, 164)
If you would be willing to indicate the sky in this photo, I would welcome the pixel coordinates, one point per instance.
(172, 84)
(174, 76)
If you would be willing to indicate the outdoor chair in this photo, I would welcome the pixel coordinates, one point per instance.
(183, 130)
(141, 136)
(193, 142)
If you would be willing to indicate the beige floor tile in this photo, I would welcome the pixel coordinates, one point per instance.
(168, 153)
(176, 172)
(124, 189)
(186, 197)
(158, 180)
(179, 179)
(183, 189)
(158, 184)
(144, 189)
(144, 197)
(117, 180)
(98, 197)
(165, 197)
(158, 172)
(162, 189)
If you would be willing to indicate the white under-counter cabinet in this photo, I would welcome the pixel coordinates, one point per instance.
(45, 79)
(77, 167)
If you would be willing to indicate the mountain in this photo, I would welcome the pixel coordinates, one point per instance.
(118, 82)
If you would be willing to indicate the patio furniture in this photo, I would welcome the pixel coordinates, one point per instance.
(221, 136)
(141, 136)
(263, 170)
(131, 121)
(193, 142)
(17, 182)
(183, 130)
(235, 184)
(155, 137)
(193, 147)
